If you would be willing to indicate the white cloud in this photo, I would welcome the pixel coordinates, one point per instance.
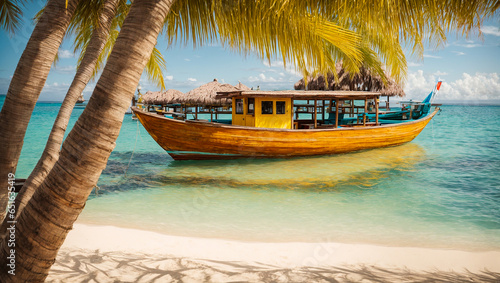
(187, 60)
(261, 78)
(418, 85)
(273, 63)
(469, 87)
(54, 91)
(491, 30)
(474, 87)
(413, 64)
(192, 80)
(169, 78)
(65, 54)
(71, 69)
(274, 76)
(279, 66)
(277, 81)
(458, 53)
(467, 44)
(89, 89)
(473, 45)
(183, 86)
(439, 73)
(432, 56)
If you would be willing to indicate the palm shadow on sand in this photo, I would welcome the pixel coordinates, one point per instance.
(85, 266)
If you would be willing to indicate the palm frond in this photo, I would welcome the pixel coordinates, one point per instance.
(38, 14)
(86, 15)
(300, 31)
(415, 22)
(311, 35)
(266, 28)
(86, 21)
(10, 15)
(56, 60)
(154, 68)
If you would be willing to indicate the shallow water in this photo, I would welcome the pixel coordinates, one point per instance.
(441, 190)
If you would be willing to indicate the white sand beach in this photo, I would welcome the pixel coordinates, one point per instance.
(109, 254)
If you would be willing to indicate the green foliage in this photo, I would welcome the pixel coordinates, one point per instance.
(266, 28)
(389, 25)
(313, 35)
(10, 14)
(154, 68)
(310, 35)
(86, 21)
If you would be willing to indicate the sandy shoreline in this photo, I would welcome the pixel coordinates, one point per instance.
(105, 251)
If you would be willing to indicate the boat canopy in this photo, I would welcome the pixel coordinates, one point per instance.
(301, 94)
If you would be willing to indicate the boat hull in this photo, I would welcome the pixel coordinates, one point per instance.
(195, 140)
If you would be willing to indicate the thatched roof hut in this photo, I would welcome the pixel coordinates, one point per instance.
(170, 96)
(205, 94)
(362, 81)
(241, 86)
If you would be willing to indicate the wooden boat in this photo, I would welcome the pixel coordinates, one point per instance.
(81, 99)
(274, 136)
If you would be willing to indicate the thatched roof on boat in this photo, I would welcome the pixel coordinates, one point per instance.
(365, 80)
(170, 96)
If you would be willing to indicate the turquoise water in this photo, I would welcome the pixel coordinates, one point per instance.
(440, 191)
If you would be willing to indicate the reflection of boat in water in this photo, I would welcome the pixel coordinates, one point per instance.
(265, 124)
(318, 172)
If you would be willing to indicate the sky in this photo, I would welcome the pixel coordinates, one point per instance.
(469, 67)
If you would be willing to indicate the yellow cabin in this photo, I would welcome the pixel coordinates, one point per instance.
(276, 109)
(263, 112)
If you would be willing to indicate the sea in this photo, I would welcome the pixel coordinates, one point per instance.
(441, 190)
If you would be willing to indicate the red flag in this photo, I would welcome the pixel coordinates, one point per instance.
(438, 85)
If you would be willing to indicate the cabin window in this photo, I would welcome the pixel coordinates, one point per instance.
(239, 106)
(251, 106)
(267, 107)
(280, 107)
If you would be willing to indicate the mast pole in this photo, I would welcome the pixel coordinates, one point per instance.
(315, 113)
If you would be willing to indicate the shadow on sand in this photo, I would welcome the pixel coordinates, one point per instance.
(85, 266)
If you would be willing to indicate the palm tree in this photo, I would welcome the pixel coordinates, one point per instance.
(95, 49)
(83, 75)
(287, 27)
(49, 215)
(27, 83)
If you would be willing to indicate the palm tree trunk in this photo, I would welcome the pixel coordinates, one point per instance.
(82, 77)
(26, 85)
(44, 223)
